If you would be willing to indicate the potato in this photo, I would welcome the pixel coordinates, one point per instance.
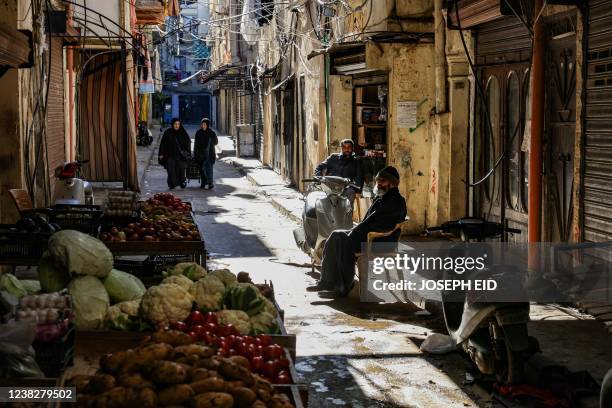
(233, 371)
(243, 397)
(212, 384)
(157, 351)
(143, 398)
(208, 363)
(259, 404)
(80, 382)
(197, 374)
(100, 383)
(213, 400)
(134, 380)
(115, 398)
(280, 401)
(243, 361)
(175, 395)
(195, 349)
(168, 372)
(172, 337)
(263, 388)
(188, 360)
(111, 363)
(85, 401)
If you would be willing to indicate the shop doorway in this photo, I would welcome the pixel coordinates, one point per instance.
(193, 108)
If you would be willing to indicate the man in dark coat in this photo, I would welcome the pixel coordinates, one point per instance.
(175, 153)
(387, 210)
(345, 165)
(204, 152)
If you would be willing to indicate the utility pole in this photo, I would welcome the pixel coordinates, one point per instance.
(537, 127)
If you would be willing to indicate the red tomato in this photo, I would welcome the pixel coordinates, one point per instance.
(209, 338)
(199, 330)
(211, 318)
(272, 352)
(181, 326)
(233, 340)
(223, 352)
(257, 341)
(265, 339)
(283, 377)
(193, 336)
(211, 327)
(269, 370)
(232, 330)
(195, 318)
(254, 350)
(242, 348)
(257, 364)
(248, 339)
(232, 352)
(282, 363)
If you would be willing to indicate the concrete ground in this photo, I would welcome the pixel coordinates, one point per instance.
(351, 354)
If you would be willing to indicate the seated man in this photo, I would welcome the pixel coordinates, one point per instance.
(345, 165)
(387, 210)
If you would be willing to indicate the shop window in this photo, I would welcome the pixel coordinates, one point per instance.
(526, 98)
(513, 140)
(491, 143)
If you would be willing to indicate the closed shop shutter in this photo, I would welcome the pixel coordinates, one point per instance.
(55, 110)
(597, 205)
(504, 40)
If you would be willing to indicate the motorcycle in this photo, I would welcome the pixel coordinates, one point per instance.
(325, 210)
(493, 334)
(69, 188)
(145, 137)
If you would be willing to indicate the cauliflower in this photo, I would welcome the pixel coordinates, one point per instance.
(264, 323)
(166, 303)
(237, 318)
(180, 280)
(191, 270)
(208, 293)
(224, 276)
(130, 307)
(122, 315)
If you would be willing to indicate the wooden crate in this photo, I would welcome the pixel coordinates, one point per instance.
(298, 394)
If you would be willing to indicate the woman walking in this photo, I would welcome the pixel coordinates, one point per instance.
(204, 152)
(175, 153)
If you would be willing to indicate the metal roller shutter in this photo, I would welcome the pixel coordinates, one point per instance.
(55, 110)
(597, 193)
(503, 40)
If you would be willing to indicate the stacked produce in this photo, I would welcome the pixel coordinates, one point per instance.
(264, 358)
(164, 204)
(179, 227)
(51, 312)
(122, 204)
(172, 370)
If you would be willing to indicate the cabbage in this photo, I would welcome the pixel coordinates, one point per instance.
(122, 286)
(31, 286)
(80, 253)
(12, 285)
(90, 302)
(52, 276)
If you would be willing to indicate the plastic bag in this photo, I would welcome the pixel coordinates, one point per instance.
(16, 353)
(437, 343)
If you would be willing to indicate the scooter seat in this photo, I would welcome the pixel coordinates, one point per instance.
(310, 208)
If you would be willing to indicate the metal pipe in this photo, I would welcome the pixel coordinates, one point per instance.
(537, 128)
(440, 56)
(124, 108)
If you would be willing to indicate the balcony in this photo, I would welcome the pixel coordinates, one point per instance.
(149, 12)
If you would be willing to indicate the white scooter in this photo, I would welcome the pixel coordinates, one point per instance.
(325, 210)
(69, 188)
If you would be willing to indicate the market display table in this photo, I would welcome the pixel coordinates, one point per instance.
(195, 249)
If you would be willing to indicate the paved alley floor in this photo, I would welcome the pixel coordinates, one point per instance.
(349, 354)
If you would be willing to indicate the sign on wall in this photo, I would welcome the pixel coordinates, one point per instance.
(406, 114)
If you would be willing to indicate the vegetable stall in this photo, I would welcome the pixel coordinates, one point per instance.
(218, 336)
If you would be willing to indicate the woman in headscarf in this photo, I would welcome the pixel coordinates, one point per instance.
(204, 152)
(175, 153)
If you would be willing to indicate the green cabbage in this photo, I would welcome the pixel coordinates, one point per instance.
(80, 253)
(264, 323)
(52, 276)
(122, 286)
(31, 286)
(90, 302)
(12, 285)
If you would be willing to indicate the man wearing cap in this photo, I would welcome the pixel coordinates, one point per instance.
(387, 210)
(345, 165)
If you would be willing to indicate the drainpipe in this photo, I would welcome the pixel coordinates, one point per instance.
(537, 129)
(69, 68)
(440, 56)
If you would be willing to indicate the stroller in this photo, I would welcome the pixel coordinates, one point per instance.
(193, 171)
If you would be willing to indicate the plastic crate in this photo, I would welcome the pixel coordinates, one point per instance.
(21, 248)
(55, 356)
(83, 218)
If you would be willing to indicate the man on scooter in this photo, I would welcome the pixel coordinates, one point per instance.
(343, 164)
(387, 210)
